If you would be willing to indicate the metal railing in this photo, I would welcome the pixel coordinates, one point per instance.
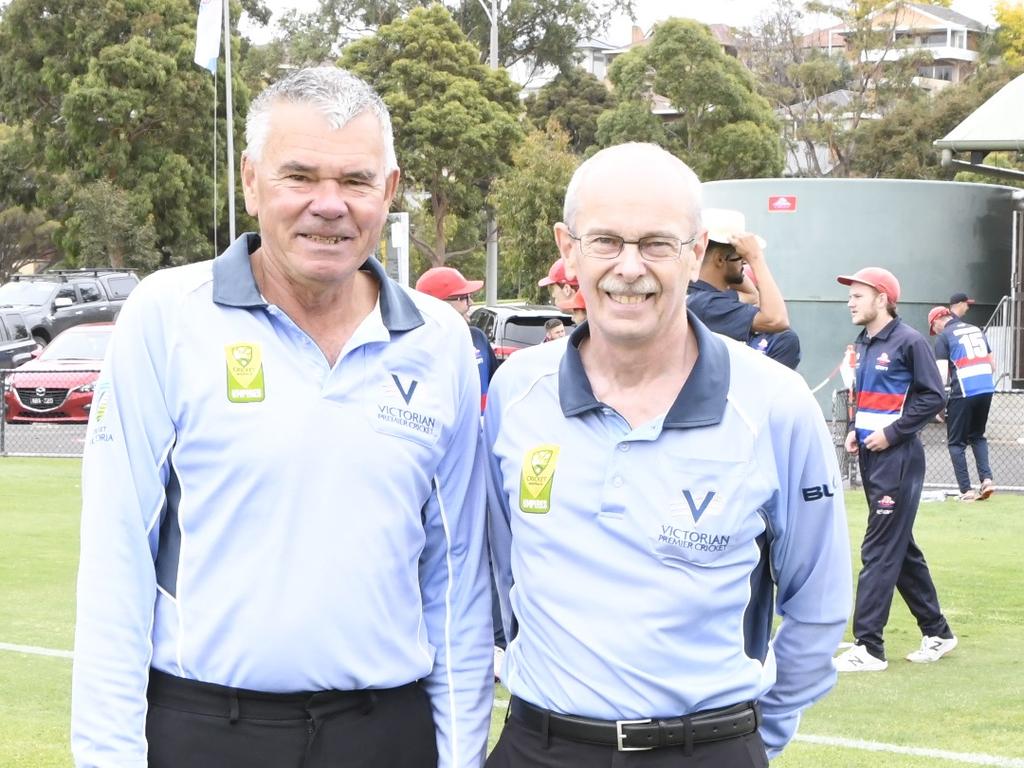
(1005, 329)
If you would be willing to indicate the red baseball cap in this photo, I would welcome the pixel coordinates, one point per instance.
(934, 314)
(556, 276)
(442, 282)
(882, 280)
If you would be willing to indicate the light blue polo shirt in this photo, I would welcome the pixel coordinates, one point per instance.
(257, 518)
(642, 565)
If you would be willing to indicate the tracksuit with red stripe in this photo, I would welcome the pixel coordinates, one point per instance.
(970, 396)
(898, 390)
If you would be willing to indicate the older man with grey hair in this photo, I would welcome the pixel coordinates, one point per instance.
(656, 491)
(283, 556)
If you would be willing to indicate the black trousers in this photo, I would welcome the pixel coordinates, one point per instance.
(890, 558)
(200, 725)
(522, 747)
(966, 419)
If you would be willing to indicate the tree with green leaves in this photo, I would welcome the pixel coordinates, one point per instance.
(708, 91)
(575, 99)
(528, 200)
(899, 145)
(26, 237)
(455, 120)
(109, 92)
(109, 227)
(543, 32)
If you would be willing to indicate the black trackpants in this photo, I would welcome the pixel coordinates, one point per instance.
(966, 419)
(890, 558)
(201, 725)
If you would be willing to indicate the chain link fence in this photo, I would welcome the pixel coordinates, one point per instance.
(43, 413)
(1005, 434)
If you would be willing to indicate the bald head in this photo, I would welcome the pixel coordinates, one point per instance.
(656, 166)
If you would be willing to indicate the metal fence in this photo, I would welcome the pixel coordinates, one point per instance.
(43, 413)
(59, 396)
(1005, 434)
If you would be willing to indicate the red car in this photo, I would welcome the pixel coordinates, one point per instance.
(57, 385)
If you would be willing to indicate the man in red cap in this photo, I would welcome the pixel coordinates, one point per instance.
(560, 287)
(897, 392)
(448, 284)
(971, 384)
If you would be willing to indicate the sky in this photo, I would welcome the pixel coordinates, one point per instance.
(737, 13)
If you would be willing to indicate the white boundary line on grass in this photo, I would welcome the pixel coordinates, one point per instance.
(971, 758)
(938, 754)
(34, 649)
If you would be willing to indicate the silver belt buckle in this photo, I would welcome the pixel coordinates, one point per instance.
(620, 737)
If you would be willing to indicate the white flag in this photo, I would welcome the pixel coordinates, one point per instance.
(208, 27)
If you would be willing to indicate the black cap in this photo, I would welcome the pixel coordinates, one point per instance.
(956, 298)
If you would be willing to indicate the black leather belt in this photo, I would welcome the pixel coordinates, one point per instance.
(631, 735)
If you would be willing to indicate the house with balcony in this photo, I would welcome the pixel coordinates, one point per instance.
(953, 40)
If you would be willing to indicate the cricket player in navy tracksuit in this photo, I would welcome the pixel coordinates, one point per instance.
(897, 392)
(964, 358)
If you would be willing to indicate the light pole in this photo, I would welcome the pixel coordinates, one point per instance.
(491, 273)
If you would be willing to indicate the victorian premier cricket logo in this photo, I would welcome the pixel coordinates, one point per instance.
(245, 373)
(535, 479)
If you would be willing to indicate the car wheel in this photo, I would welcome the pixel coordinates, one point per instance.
(41, 341)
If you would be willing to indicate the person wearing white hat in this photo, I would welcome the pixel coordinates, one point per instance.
(745, 307)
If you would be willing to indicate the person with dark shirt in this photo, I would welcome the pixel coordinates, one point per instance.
(897, 392)
(964, 358)
(748, 308)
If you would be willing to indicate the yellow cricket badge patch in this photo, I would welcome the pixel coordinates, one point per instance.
(245, 373)
(535, 479)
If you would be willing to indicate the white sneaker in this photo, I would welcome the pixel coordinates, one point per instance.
(499, 659)
(932, 649)
(857, 659)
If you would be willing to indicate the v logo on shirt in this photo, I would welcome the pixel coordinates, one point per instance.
(696, 510)
(406, 395)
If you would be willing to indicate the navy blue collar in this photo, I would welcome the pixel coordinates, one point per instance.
(235, 286)
(700, 403)
(701, 285)
(883, 334)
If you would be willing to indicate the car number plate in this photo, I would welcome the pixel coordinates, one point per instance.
(40, 401)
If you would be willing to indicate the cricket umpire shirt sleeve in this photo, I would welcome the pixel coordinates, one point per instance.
(454, 582)
(124, 476)
(810, 560)
(926, 395)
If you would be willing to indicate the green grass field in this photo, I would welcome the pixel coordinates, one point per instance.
(971, 703)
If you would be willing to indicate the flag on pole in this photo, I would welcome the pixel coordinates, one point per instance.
(208, 26)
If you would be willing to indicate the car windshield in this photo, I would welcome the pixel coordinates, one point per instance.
(25, 292)
(78, 345)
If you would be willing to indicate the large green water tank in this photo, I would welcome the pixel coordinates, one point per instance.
(936, 237)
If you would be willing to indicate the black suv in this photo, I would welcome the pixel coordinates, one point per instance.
(16, 343)
(513, 326)
(53, 301)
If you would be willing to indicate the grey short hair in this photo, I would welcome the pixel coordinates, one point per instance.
(337, 93)
(655, 151)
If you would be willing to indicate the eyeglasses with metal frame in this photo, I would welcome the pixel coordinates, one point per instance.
(653, 248)
(461, 297)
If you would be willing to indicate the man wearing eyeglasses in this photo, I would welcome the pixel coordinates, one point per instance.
(745, 307)
(655, 492)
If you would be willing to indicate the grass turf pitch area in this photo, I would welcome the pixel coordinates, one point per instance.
(970, 703)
